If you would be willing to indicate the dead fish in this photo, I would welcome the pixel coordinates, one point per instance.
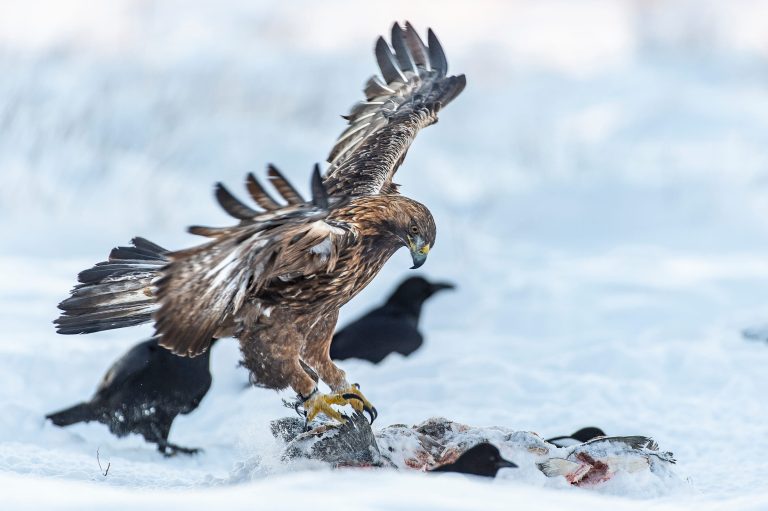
(350, 443)
(406, 448)
(439, 441)
(600, 459)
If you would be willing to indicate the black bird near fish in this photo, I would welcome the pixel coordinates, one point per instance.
(481, 460)
(143, 392)
(390, 328)
(579, 437)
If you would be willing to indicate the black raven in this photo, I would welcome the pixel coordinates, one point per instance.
(391, 328)
(143, 392)
(578, 437)
(481, 460)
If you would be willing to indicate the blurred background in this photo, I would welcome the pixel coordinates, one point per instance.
(600, 190)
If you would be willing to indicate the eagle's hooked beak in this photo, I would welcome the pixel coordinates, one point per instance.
(419, 250)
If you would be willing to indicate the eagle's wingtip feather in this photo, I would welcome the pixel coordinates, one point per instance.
(436, 54)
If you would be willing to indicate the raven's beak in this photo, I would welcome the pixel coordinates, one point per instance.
(502, 463)
(419, 250)
(439, 286)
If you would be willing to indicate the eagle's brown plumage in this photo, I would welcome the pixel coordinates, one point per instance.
(277, 279)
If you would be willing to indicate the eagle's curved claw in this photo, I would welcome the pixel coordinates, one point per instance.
(366, 407)
(358, 401)
(319, 403)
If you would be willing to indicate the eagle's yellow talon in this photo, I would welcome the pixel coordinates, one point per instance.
(359, 402)
(322, 404)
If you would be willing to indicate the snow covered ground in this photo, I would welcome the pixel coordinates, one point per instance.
(601, 193)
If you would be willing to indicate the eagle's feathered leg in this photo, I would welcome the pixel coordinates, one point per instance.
(271, 346)
(282, 350)
(316, 350)
(316, 354)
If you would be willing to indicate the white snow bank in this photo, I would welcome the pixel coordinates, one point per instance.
(343, 490)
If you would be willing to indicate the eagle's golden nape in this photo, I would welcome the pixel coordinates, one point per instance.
(276, 279)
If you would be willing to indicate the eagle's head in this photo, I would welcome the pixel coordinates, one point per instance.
(391, 222)
(413, 226)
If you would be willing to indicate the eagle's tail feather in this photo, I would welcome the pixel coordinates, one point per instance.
(115, 293)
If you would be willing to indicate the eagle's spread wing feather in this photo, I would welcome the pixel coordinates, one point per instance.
(232, 204)
(381, 128)
(241, 211)
(283, 186)
(204, 287)
(259, 194)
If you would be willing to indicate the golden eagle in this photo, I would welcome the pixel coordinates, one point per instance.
(277, 279)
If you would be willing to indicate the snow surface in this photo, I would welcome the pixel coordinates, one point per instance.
(601, 192)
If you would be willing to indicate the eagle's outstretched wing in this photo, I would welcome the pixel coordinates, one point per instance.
(204, 287)
(381, 128)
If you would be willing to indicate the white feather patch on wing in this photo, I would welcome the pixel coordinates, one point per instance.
(326, 248)
(321, 228)
(221, 271)
(229, 279)
(323, 248)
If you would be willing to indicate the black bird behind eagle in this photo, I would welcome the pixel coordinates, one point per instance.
(481, 460)
(578, 437)
(143, 392)
(391, 328)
